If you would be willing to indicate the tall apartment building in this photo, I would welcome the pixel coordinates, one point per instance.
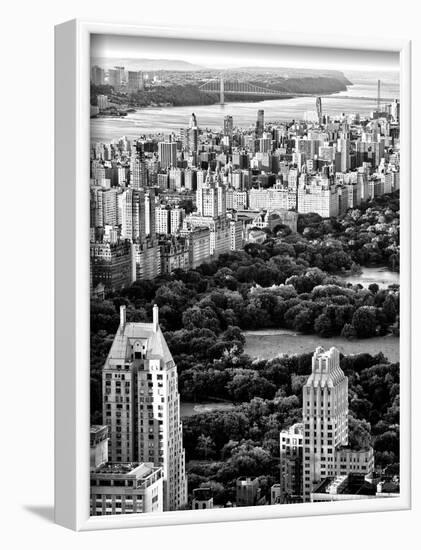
(207, 200)
(135, 81)
(319, 196)
(114, 78)
(199, 243)
(167, 154)
(236, 234)
(168, 219)
(325, 419)
(141, 404)
(193, 135)
(260, 123)
(176, 179)
(236, 200)
(138, 168)
(291, 463)
(133, 215)
(220, 231)
(162, 219)
(344, 148)
(177, 216)
(146, 260)
(190, 179)
(395, 110)
(97, 75)
(138, 215)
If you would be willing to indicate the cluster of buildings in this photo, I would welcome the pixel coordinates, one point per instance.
(119, 78)
(164, 203)
(137, 455)
(316, 462)
(158, 204)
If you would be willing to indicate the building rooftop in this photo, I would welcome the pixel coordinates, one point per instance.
(326, 370)
(351, 484)
(295, 429)
(147, 338)
(98, 433)
(138, 469)
(202, 493)
(244, 480)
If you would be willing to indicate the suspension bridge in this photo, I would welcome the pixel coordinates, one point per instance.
(239, 87)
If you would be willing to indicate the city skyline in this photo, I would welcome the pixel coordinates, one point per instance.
(210, 247)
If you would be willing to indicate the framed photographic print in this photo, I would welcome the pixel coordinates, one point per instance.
(230, 318)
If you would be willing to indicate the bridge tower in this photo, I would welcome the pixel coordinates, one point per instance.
(221, 91)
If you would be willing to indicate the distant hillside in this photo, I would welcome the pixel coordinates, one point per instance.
(294, 73)
(146, 64)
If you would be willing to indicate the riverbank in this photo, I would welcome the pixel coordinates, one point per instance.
(267, 344)
(170, 119)
(188, 408)
(368, 275)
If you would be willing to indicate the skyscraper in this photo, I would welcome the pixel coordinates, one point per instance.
(325, 417)
(319, 109)
(135, 81)
(228, 125)
(260, 124)
(97, 75)
(396, 110)
(167, 154)
(344, 148)
(133, 215)
(291, 463)
(193, 135)
(141, 404)
(207, 200)
(116, 76)
(138, 169)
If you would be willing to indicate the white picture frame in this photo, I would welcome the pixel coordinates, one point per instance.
(72, 41)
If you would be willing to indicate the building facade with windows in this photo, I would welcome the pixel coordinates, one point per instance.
(112, 264)
(141, 404)
(325, 417)
(291, 463)
(126, 488)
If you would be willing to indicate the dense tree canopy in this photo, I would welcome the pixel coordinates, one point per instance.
(290, 281)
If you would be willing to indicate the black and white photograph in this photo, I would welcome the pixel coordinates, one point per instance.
(244, 276)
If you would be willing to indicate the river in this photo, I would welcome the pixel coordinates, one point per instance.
(267, 344)
(190, 409)
(170, 119)
(380, 275)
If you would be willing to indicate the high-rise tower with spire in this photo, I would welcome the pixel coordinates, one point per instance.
(141, 404)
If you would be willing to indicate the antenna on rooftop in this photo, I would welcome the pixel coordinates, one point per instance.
(378, 95)
(155, 319)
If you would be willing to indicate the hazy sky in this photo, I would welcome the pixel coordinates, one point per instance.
(225, 54)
